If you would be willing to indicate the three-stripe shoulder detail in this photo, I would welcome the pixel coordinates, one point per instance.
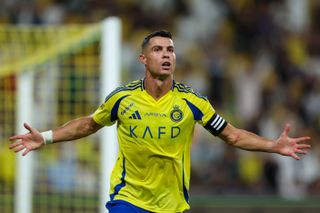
(129, 87)
(186, 89)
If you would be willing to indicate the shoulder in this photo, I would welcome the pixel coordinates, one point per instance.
(128, 89)
(187, 92)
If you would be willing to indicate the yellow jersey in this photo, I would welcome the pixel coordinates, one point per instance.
(155, 136)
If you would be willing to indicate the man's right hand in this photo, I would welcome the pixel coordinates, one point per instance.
(27, 142)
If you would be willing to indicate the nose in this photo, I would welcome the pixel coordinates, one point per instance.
(165, 54)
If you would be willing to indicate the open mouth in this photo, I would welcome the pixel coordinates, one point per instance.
(166, 65)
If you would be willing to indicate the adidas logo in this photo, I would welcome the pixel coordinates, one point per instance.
(135, 115)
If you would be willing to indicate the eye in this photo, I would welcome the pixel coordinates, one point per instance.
(171, 49)
(156, 49)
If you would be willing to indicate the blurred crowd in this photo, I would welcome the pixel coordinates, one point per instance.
(258, 61)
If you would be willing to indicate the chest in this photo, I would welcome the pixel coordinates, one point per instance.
(168, 111)
(164, 119)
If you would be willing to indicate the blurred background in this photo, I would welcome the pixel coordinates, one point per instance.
(258, 62)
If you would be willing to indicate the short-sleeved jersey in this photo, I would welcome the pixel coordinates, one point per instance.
(153, 166)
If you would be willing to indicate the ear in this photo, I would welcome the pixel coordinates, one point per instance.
(143, 59)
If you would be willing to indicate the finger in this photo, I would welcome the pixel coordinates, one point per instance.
(26, 152)
(302, 139)
(300, 151)
(304, 146)
(18, 149)
(15, 145)
(286, 129)
(28, 127)
(295, 156)
(15, 137)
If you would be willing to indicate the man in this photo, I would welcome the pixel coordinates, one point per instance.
(155, 122)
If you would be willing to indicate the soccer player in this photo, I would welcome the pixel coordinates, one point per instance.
(155, 120)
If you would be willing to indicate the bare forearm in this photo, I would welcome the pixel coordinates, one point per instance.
(75, 129)
(250, 141)
(284, 145)
(72, 130)
(247, 140)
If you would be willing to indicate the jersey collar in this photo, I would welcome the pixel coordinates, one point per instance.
(143, 87)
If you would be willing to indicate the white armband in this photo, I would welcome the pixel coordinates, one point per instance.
(47, 137)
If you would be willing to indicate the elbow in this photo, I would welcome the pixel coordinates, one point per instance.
(232, 135)
(234, 138)
(91, 128)
(88, 127)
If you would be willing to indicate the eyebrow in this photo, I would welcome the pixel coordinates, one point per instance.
(170, 46)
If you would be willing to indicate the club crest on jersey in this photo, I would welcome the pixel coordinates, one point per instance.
(176, 114)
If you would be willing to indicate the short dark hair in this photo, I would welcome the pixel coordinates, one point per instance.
(161, 33)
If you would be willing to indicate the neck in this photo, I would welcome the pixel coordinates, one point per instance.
(158, 87)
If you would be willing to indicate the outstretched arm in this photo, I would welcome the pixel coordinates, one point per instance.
(72, 130)
(284, 145)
